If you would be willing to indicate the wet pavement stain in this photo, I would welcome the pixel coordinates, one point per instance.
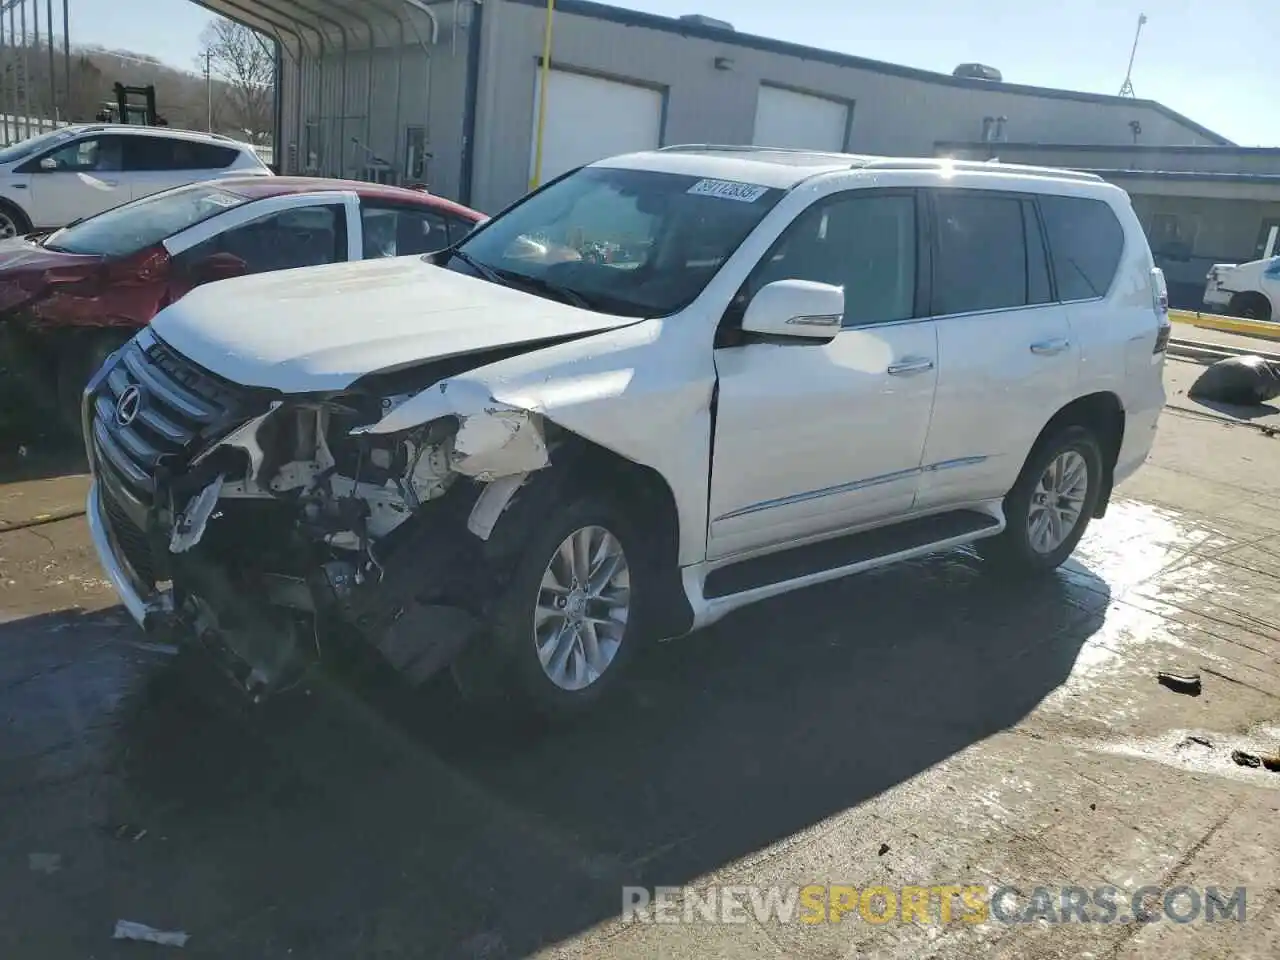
(359, 819)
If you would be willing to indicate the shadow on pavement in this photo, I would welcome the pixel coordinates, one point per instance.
(387, 823)
(32, 445)
(1237, 411)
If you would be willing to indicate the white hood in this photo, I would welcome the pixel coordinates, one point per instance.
(321, 328)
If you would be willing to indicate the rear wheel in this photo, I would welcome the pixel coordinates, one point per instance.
(1251, 306)
(1050, 505)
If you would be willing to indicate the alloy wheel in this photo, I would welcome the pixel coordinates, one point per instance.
(580, 620)
(1057, 502)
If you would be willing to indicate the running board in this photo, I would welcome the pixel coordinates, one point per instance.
(846, 554)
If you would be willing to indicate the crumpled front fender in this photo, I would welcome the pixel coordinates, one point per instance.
(494, 439)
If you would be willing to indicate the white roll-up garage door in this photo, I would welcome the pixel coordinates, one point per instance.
(799, 121)
(589, 118)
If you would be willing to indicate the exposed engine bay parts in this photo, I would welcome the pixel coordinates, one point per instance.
(305, 511)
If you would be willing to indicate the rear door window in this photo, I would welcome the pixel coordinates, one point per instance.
(391, 230)
(1085, 245)
(980, 262)
(143, 153)
(295, 237)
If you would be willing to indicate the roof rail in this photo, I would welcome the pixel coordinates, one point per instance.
(747, 148)
(979, 166)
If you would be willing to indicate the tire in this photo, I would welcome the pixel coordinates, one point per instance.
(79, 360)
(1019, 549)
(514, 658)
(1251, 306)
(13, 222)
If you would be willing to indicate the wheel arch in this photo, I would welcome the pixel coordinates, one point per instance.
(11, 206)
(1241, 301)
(1103, 414)
(579, 467)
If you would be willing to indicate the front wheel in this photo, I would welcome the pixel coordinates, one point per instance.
(566, 626)
(1049, 507)
(13, 222)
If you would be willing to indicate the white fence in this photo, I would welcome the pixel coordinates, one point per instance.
(14, 129)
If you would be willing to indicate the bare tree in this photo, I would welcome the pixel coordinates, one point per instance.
(88, 90)
(242, 58)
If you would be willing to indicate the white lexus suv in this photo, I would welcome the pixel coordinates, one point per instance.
(661, 387)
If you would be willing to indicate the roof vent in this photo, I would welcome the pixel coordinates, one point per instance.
(701, 20)
(977, 71)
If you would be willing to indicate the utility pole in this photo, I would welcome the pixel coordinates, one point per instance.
(66, 50)
(208, 87)
(1126, 88)
(53, 62)
(26, 75)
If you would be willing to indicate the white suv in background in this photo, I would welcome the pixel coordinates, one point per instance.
(660, 388)
(1249, 290)
(74, 172)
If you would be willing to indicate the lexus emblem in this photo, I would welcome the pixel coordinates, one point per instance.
(128, 405)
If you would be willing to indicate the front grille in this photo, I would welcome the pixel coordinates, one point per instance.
(129, 538)
(173, 408)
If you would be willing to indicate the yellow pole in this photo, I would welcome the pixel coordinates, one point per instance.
(542, 96)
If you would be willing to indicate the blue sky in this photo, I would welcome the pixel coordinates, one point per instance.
(1216, 61)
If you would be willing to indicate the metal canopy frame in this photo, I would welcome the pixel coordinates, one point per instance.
(303, 28)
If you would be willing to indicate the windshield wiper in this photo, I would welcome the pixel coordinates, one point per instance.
(561, 293)
(486, 271)
(510, 278)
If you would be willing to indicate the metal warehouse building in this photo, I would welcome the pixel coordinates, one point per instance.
(397, 79)
(447, 93)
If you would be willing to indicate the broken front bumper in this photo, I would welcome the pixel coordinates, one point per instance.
(141, 602)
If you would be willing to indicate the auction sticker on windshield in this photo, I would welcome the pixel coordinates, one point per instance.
(728, 190)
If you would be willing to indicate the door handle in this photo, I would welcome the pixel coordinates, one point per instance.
(909, 366)
(1048, 348)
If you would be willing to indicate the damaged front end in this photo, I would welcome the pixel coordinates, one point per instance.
(258, 526)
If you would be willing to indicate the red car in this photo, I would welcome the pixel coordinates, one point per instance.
(70, 297)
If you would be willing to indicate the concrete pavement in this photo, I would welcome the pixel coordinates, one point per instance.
(926, 725)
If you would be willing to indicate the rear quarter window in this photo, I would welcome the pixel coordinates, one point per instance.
(205, 156)
(173, 153)
(1086, 242)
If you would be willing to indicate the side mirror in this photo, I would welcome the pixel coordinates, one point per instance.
(217, 266)
(796, 308)
(48, 163)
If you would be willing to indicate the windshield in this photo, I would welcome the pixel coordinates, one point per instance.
(126, 229)
(25, 148)
(631, 242)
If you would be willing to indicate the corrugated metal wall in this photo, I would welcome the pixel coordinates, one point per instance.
(354, 116)
(892, 114)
